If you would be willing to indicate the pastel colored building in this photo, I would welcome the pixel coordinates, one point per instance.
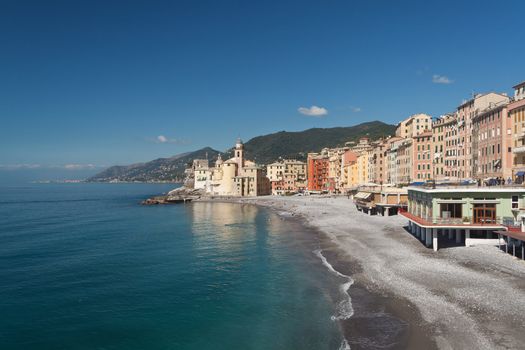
(377, 162)
(404, 161)
(465, 114)
(414, 125)
(492, 142)
(348, 159)
(287, 176)
(317, 172)
(439, 146)
(422, 169)
(516, 111)
(464, 215)
(380, 200)
(393, 171)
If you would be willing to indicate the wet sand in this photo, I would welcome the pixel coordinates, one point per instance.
(405, 296)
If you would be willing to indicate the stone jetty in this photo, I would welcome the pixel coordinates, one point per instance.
(178, 195)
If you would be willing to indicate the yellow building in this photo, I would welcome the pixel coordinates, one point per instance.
(414, 125)
(233, 177)
(516, 111)
(358, 170)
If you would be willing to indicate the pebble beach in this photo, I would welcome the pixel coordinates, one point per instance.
(456, 298)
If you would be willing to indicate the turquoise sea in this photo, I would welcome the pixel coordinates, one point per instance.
(84, 266)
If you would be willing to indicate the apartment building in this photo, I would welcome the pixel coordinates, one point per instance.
(492, 142)
(414, 125)
(287, 176)
(516, 111)
(422, 156)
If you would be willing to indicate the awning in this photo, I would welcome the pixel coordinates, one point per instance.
(363, 195)
(520, 173)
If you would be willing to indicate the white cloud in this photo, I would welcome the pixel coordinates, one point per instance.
(79, 166)
(165, 139)
(441, 79)
(356, 109)
(313, 111)
(19, 166)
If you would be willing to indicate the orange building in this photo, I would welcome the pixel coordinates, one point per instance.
(318, 165)
(422, 165)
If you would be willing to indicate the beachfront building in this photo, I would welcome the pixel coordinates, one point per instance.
(462, 214)
(287, 176)
(438, 140)
(335, 169)
(516, 111)
(378, 162)
(414, 125)
(359, 173)
(393, 170)
(464, 115)
(348, 158)
(422, 157)
(404, 161)
(451, 142)
(236, 176)
(492, 142)
(380, 200)
(201, 173)
(317, 172)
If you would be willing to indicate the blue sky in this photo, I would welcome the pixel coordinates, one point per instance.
(97, 82)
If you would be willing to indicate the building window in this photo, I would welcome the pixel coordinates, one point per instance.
(450, 210)
(515, 202)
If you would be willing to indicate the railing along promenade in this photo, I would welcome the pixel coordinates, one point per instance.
(466, 221)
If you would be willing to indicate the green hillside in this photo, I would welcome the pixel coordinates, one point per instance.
(161, 169)
(263, 149)
(268, 148)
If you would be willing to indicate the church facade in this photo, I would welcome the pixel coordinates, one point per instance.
(236, 177)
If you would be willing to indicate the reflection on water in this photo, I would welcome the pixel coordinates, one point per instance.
(124, 276)
(227, 219)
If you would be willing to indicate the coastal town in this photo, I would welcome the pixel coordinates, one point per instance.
(458, 179)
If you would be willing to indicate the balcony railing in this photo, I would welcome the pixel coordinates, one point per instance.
(468, 220)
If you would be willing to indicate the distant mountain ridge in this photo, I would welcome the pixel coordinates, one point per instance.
(158, 170)
(262, 149)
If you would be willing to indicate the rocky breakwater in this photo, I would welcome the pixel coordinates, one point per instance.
(178, 195)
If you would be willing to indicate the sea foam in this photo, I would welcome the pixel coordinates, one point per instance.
(344, 307)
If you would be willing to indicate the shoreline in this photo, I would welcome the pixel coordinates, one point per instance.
(406, 296)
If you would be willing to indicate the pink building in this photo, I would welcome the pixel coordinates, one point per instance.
(422, 155)
(492, 143)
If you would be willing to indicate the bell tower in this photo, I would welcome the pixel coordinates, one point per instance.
(239, 153)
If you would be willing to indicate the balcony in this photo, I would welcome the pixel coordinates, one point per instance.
(520, 149)
(465, 221)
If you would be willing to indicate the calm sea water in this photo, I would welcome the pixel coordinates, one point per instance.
(83, 266)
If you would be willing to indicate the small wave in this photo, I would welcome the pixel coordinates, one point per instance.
(344, 308)
(344, 345)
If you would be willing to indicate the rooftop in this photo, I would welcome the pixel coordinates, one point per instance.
(519, 85)
(472, 189)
